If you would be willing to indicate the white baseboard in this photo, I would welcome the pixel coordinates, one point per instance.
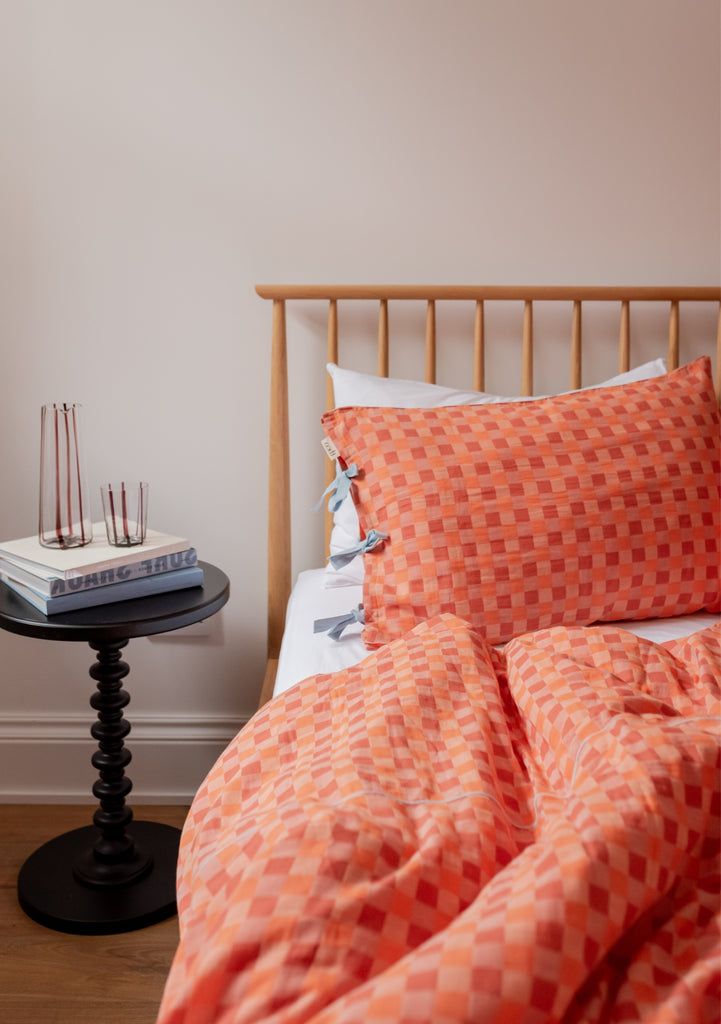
(45, 758)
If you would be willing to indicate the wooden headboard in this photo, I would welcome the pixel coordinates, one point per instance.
(279, 530)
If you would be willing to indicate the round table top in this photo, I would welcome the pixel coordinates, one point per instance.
(123, 620)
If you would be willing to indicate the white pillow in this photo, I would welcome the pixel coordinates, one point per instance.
(351, 388)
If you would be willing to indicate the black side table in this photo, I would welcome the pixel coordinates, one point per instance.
(115, 875)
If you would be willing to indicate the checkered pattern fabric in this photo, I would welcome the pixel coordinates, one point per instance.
(448, 834)
(588, 507)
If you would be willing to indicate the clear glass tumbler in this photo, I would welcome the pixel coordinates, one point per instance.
(64, 515)
(125, 507)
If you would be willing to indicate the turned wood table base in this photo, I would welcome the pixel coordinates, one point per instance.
(116, 874)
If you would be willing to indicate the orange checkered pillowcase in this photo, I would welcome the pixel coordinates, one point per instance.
(592, 506)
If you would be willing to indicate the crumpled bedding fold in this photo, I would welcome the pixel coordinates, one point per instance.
(446, 833)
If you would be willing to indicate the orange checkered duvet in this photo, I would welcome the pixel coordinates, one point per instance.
(444, 833)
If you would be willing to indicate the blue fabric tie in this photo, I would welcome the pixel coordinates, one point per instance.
(335, 625)
(339, 489)
(373, 539)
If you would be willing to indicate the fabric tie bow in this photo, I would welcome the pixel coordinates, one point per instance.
(372, 539)
(335, 625)
(339, 489)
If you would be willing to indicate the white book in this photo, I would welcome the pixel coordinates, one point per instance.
(49, 563)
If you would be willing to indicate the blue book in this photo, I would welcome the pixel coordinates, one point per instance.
(163, 583)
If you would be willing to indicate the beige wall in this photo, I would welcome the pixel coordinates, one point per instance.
(159, 157)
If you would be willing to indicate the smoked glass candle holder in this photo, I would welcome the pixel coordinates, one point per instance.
(125, 507)
(64, 515)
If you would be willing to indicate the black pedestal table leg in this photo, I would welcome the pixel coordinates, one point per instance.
(115, 857)
(117, 874)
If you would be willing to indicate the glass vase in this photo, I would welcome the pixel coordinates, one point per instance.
(64, 520)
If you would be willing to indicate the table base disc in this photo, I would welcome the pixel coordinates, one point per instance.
(49, 892)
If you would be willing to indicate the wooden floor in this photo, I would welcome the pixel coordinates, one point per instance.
(48, 977)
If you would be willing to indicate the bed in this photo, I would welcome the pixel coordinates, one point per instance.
(625, 299)
(492, 798)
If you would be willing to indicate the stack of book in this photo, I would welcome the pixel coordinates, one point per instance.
(56, 581)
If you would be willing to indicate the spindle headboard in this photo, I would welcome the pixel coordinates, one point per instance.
(279, 530)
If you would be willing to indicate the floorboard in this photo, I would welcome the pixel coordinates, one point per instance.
(49, 977)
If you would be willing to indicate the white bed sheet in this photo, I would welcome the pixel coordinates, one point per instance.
(304, 653)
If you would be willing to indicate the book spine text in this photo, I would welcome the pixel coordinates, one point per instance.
(122, 573)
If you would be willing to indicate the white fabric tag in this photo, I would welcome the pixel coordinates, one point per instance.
(329, 448)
